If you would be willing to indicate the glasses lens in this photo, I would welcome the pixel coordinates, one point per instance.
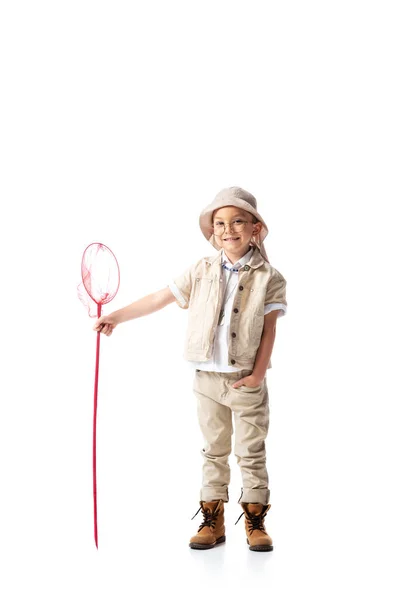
(236, 226)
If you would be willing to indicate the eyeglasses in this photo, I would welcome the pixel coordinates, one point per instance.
(236, 226)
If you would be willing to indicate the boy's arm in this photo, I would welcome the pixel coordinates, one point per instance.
(144, 306)
(275, 306)
(157, 300)
(264, 351)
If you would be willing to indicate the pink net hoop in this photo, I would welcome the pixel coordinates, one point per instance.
(100, 277)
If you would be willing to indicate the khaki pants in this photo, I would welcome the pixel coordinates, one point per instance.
(216, 401)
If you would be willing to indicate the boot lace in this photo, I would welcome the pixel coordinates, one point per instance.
(209, 518)
(255, 521)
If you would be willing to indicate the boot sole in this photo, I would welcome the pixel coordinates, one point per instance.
(197, 546)
(260, 547)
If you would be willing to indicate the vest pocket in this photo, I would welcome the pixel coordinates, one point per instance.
(256, 297)
(201, 291)
(200, 312)
(251, 322)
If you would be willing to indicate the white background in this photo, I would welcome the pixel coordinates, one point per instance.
(120, 121)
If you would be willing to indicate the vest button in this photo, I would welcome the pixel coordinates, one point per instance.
(240, 287)
(246, 268)
(233, 334)
(233, 361)
(235, 310)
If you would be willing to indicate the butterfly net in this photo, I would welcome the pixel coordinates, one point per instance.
(100, 278)
(99, 285)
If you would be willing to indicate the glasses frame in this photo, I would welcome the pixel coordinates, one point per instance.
(229, 223)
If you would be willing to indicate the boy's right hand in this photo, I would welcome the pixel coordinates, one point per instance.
(105, 324)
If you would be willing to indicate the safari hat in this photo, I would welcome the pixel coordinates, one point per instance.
(233, 196)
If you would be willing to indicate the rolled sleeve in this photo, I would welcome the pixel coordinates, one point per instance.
(181, 286)
(275, 297)
(175, 290)
(275, 306)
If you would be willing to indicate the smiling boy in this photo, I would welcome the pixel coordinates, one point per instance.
(234, 299)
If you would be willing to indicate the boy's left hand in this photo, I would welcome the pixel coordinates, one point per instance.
(249, 381)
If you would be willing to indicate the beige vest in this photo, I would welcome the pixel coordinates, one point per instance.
(201, 286)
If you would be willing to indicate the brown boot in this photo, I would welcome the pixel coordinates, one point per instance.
(212, 531)
(257, 538)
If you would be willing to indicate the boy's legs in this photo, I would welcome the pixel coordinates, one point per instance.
(215, 420)
(251, 413)
(216, 400)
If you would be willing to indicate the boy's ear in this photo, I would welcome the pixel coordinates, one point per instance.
(258, 226)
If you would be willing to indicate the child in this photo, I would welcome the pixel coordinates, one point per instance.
(234, 299)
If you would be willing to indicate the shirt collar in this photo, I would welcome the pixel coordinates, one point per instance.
(240, 263)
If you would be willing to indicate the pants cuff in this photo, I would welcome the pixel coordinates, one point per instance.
(255, 496)
(207, 494)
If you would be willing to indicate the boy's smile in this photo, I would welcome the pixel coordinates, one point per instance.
(233, 229)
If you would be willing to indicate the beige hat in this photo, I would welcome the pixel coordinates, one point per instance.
(233, 196)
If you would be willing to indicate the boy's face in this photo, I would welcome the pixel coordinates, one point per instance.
(239, 228)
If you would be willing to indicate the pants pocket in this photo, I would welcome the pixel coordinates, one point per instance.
(246, 388)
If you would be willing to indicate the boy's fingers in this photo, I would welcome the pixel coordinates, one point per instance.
(103, 327)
